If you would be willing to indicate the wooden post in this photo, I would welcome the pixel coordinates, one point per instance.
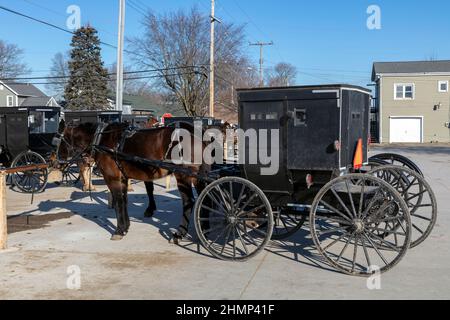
(168, 181)
(3, 218)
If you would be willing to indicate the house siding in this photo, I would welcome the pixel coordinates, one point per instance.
(426, 96)
(4, 94)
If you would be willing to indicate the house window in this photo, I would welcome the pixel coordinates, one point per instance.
(10, 101)
(404, 91)
(443, 86)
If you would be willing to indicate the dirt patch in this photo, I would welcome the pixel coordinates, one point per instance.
(26, 223)
(131, 261)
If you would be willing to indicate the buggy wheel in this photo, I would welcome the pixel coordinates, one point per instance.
(346, 218)
(33, 181)
(233, 219)
(418, 196)
(70, 175)
(286, 223)
(397, 160)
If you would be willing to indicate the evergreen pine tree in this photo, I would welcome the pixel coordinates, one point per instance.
(87, 87)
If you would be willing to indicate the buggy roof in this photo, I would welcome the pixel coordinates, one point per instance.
(92, 113)
(311, 87)
(9, 110)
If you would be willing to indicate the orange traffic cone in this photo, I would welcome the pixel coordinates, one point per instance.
(359, 159)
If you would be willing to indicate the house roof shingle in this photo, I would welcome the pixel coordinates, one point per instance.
(25, 89)
(410, 67)
(36, 102)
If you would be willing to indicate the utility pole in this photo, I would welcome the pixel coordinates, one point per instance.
(261, 59)
(119, 80)
(211, 62)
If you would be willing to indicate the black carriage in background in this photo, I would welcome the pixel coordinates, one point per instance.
(361, 219)
(75, 118)
(138, 121)
(80, 117)
(26, 136)
(206, 121)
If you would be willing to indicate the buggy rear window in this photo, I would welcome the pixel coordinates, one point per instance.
(263, 116)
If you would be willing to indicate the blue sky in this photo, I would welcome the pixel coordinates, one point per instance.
(327, 40)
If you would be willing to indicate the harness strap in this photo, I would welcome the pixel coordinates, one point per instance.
(177, 139)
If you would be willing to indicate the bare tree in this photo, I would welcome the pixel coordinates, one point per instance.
(59, 71)
(178, 44)
(132, 84)
(283, 75)
(11, 64)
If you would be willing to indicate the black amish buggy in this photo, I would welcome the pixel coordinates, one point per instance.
(26, 136)
(81, 117)
(364, 214)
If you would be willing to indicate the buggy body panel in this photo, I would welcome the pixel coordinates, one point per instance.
(319, 129)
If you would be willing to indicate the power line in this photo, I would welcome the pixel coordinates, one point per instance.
(134, 78)
(48, 24)
(62, 29)
(109, 74)
(136, 7)
(60, 14)
(137, 4)
(256, 26)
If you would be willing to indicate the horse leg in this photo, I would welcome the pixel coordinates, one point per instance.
(86, 174)
(119, 194)
(187, 196)
(151, 199)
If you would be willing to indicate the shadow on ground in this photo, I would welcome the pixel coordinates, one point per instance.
(298, 247)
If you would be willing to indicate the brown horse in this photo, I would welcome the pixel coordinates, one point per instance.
(153, 144)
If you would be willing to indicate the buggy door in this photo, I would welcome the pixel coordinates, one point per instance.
(312, 129)
(254, 117)
(16, 132)
(2, 130)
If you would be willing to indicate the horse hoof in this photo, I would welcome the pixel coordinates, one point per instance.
(116, 237)
(149, 213)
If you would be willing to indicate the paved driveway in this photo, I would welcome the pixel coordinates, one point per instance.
(43, 262)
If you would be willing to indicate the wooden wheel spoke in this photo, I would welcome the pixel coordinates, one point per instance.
(226, 239)
(345, 248)
(216, 201)
(355, 251)
(213, 210)
(246, 204)
(385, 230)
(322, 233)
(390, 245)
(420, 217)
(335, 210)
(366, 253)
(242, 241)
(342, 203)
(336, 241)
(334, 219)
(418, 229)
(376, 249)
(355, 214)
(416, 195)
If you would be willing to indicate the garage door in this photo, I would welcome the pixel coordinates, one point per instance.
(407, 129)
